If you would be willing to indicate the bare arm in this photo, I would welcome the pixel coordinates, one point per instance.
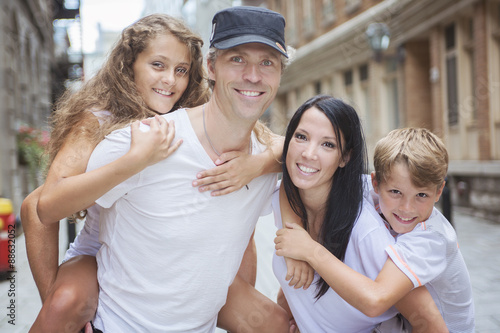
(236, 169)
(370, 297)
(68, 183)
(421, 311)
(41, 245)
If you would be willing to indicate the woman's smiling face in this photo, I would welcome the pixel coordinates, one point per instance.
(314, 153)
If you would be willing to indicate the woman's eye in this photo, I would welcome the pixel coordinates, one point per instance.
(300, 136)
(267, 63)
(329, 144)
(394, 192)
(237, 59)
(157, 64)
(422, 195)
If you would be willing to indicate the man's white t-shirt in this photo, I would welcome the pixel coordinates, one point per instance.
(365, 254)
(169, 253)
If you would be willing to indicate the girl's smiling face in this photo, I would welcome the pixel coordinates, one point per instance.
(403, 204)
(161, 72)
(314, 153)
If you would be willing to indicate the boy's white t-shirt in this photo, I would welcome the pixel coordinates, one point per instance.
(429, 255)
(365, 254)
(169, 253)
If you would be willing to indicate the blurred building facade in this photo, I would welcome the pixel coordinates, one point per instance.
(29, 76)
(441, 71)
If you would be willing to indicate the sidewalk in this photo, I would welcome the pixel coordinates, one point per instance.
(479, 242)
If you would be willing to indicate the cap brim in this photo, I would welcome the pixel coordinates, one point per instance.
(240, 40)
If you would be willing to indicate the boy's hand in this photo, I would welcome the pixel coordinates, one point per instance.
(300, 273)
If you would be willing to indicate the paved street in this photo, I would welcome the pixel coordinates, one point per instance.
(479, 242)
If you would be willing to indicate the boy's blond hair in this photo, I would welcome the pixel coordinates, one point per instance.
(420, 150)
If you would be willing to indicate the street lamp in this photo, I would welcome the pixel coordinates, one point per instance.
(378, 35)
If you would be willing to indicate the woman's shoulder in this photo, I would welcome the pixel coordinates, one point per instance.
(369, 222)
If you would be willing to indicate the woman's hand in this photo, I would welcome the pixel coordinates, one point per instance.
(233, 171)
(150, 147)
(294, 242)
(300, 273)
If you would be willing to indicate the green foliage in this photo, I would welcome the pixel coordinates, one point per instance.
(31, 143)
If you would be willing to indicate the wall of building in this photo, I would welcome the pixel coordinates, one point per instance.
(441, 71)
(25, 81)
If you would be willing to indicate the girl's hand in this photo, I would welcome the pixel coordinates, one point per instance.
(294, 242)
(300, 273)
(233, 171)
(150, 147)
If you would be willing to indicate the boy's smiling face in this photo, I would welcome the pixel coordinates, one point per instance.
(403, 204)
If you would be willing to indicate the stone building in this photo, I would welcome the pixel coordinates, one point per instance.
(441, 71)
(27, 75)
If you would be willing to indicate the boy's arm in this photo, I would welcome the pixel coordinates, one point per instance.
(421, 311)
(368, 296)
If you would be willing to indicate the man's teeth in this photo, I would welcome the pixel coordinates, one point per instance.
(163, 92)
(306, 169)
(250, 93)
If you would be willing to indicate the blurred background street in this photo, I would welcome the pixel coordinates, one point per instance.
(478, 240)
(400, 63)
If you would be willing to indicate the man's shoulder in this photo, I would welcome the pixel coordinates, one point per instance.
(177, 115)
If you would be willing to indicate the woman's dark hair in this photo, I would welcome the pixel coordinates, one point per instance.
(345, 199)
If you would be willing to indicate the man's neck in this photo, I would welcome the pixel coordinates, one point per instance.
(218, 133)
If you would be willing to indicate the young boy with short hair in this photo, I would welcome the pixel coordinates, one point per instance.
(410, 169)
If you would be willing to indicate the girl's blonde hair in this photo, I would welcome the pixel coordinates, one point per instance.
(113, 88)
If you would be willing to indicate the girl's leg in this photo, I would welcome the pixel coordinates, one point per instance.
(247, 310)
(72, 300)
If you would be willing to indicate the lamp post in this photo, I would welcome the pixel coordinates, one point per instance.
(378, 36)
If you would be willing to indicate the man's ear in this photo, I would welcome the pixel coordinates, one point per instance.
(211, 70)
(374, 182)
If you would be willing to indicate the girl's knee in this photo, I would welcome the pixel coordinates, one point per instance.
(70, 299)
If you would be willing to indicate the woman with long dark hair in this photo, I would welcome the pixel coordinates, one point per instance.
(324, 173)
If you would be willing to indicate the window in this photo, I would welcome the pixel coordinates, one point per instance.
(317, 87)
(363, 73)
(365, 99)
(348, 78)
(308, 18)
(328, 12)
(392, 93)
(348, 85)
(468, 104)
(291, 23)
(451, 74)
(352, 5)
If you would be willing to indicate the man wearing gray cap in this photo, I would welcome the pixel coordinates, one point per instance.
(170, 252)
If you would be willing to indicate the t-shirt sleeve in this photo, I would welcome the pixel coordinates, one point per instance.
(420, 255)
(87, 240)
(371, 250)
(114, 146)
